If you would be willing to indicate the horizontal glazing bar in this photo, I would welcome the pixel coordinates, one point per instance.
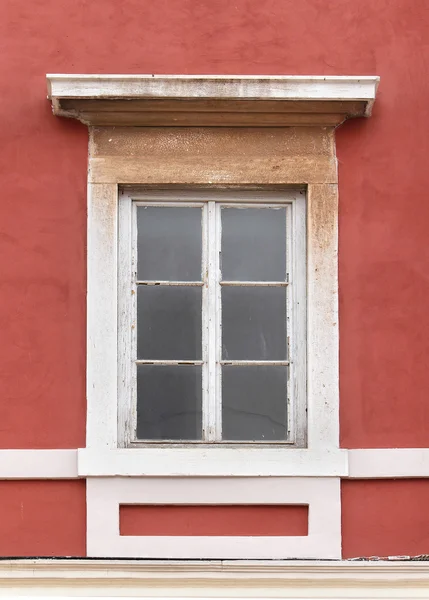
(171, 283)
(229, 196)
(256, 283)
(229, 443)
(155, 202)
(169, 362)
(250, 205)
(245, 363)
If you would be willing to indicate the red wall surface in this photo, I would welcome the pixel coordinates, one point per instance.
(384, 213)
(192, 520)
(42, 518)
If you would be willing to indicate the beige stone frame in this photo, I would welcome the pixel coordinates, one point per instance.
(244, 158)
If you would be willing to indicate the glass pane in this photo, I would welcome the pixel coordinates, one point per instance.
(254, 323)
(169, 402)
(254, 403)
(169, 322)
(254, 244)
(169, 243)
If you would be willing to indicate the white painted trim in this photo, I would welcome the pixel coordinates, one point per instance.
(102, 305)
(38, 464)
(212, 462)
(105, 495)
(275, 87)
(213, 330)
(386, 463)
(389, 463)
(323, 399)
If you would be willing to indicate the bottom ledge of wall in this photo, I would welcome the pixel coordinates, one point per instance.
(64, 578)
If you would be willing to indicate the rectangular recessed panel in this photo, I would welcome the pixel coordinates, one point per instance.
(254, 244)
(169, 323)
(254, 403)
(169, 402)
(210, 520)
(169, 243)
(254, 323)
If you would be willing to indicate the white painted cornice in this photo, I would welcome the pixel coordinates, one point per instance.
(209, 100)
(220, 579)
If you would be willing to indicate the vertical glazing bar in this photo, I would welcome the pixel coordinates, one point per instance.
(205, 323)
(211, 334)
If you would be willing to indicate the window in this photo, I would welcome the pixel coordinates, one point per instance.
(212, 317)
(222, 133)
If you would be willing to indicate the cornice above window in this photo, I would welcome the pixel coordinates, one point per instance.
(211, 101)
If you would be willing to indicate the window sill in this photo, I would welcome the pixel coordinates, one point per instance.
(212, 462)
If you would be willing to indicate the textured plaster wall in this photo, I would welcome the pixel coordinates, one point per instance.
(384, 214)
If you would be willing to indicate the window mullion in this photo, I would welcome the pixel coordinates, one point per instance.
(205, 326)
(209, 342)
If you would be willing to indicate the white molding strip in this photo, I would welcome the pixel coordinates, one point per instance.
(386, 463)
(363, 580)
(389, 463)
(212, 462)
(232, 87)
(322, 495)
(38, 464)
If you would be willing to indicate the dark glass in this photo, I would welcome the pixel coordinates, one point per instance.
(254, 403)
(168, 322)
(169, 243)
(253, 244)
(169, 402)
(254, 323)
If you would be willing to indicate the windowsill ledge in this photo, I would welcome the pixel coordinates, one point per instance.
(212, 462)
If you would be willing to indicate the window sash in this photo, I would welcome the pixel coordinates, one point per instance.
(212, 362)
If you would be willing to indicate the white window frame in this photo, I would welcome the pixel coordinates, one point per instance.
(211, 202)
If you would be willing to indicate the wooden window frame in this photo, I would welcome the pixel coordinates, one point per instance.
(211, 202)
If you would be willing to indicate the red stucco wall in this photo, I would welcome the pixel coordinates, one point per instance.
(42, 518)
(191, 520)
(384, 214)
(385, 517)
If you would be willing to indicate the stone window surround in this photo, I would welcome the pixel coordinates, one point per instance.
(227, 132)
